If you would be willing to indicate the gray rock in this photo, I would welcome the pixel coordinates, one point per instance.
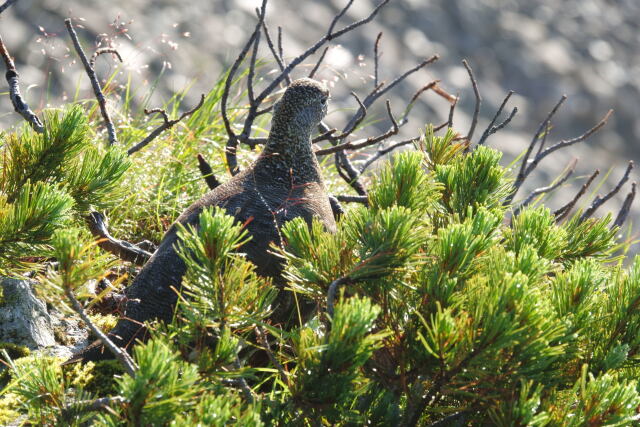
(24, 319)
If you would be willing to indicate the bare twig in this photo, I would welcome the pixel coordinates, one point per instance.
(97, 90)
(626, 207)
(376, 58)
(274, 52)
(102, 51)
(383, 151)
(331, 294)
(254, 58)
(207, 173)
(355, 145)
(6, 5)
(280, 49)
(120, 248)
(491, 129)
(414, 98)
(233, 140)
(264, 341)
(246, 390)
(166, 124)
(452, 110)
(561, 213)
(324, 136)
(353, 199)
(315, 68)
(12, 77)
(336, 207)
(599, 201)
(476, 92)
(232, 143)
(571, 167)
(121, 355)
(338, 16)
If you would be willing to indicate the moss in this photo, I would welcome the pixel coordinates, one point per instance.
(103, 378)
(105, 322)
(15, 351)
(8, 405)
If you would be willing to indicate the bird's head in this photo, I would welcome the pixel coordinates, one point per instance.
(302, 107)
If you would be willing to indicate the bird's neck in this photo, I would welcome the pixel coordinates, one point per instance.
(288, 154)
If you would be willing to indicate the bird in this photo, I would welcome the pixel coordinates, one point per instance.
(284, 182)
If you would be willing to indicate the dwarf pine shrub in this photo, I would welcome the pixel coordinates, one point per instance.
(435, 302)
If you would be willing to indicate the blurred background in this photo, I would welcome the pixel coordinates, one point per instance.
(586, 49)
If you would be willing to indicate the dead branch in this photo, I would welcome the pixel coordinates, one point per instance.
(121, 355)
(101, 51)
(599, 201)
(476, 92)
(336, 207)
(97, 90)
(571, 167)
(254, 58)
(274, 52)
(353, 199)
(166, 124)
(12, 77)
(626, 207)
(207, 173)
(324, 136)
(362, 143)
(376, 58)
(233, 140)
(120, 248)
(280, 49)
(315, 68)
(491, 129)
(413, 100)
(264, 341)
(561, 213)
(383, 151)
(6, 5)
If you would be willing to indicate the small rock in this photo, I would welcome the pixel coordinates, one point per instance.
(24, 319)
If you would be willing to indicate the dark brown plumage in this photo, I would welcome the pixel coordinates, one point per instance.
(284, 183)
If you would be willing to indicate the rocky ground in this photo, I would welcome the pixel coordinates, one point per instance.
(587, 49)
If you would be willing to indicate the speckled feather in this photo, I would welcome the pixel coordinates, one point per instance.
(284, 183)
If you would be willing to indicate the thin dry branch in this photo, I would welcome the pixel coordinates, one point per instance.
(167, 124)
(376, 58)
(120, 248)
(232, 143)
(274, 52)
(476, 92)
(315, 68)
(6, 5)
(207, 173)
(561, 213)
(102, 51)
(336, 207)
(264, 341)
(353, 199)
(253, 60)
(414, 98)
(599, 201)
(362, 143)
(626, 207)
(571, 167)
(233, 140)
(543, 126)
(97, 90)
(121, 355)
(280, 49)
(383, 151)
(13, 77)
(491, 129)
